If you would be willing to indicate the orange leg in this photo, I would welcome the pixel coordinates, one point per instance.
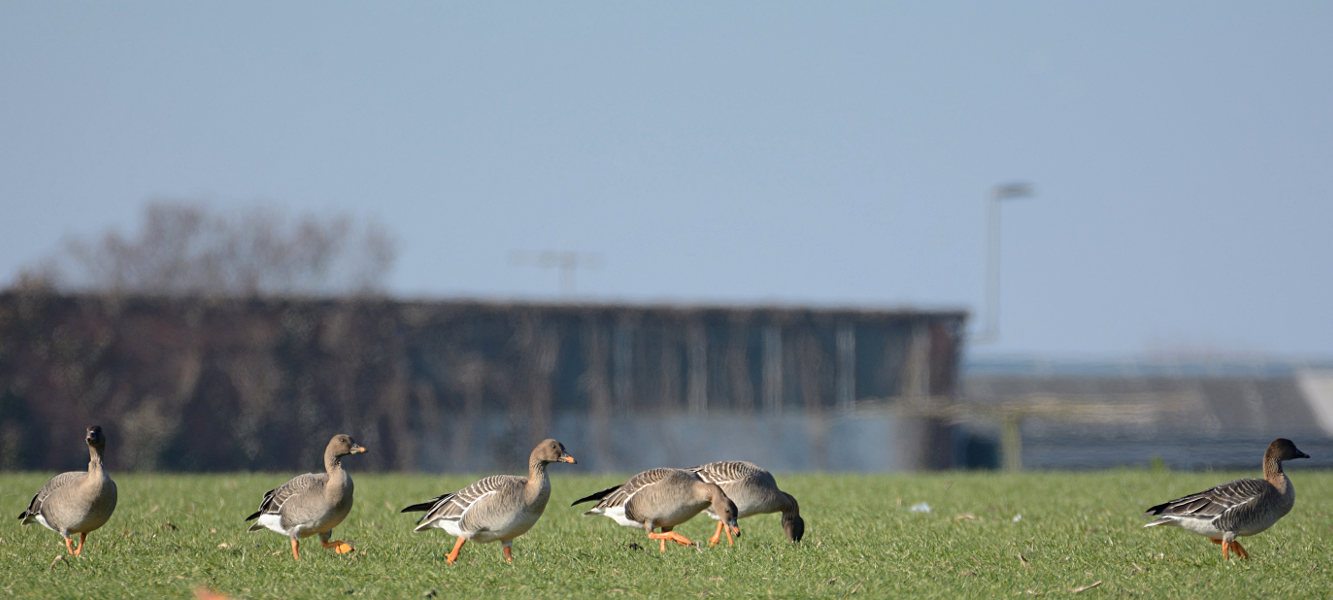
(69, 545)
(1228, 546)
(338, 546)
(670, 535)
(453, 554)
(717, 535)
(82, 537)
(509, 555)
(296, 555)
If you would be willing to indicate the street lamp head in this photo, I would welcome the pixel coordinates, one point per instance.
(1013, 190)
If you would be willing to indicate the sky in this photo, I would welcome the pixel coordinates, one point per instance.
(831, 154)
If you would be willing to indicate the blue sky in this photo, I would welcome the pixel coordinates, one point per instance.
(736, 152)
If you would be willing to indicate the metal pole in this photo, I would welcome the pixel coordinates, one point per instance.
(1011, 440)
(991, 331)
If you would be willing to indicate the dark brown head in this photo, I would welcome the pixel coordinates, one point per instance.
(725, 510)
(342, 445)
(549, 451)
(794, 525)
(95, 438)
(1283, 449)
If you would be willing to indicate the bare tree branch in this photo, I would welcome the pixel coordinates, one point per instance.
(188, 249)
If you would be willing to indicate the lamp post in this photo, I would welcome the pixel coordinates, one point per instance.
(1000, 193)
(1011, 425)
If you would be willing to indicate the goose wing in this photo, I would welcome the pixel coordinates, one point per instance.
(620, 495)
(727, 471)
(1212, 502)
(277, 497)
(452, 506)
(52, 485)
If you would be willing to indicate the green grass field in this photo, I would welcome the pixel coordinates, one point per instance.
(987, 535)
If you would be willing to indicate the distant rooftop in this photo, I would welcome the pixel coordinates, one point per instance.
(1140, 367)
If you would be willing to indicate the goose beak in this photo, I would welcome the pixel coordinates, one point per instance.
(567, 458)
(358, 449)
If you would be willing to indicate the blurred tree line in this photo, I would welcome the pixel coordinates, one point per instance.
(187, 248)
(113, 329)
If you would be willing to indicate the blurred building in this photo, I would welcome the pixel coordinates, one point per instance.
(1205, 414)
(218, 384)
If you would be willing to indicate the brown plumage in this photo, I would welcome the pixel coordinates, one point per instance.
(755, 491)
(662, 499)
(499, 507)
(1236, 508)
(313, 503)
(77, 501)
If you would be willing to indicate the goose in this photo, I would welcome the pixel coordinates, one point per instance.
(77, 501)
(1236, 508)
(499, 507)
(662, 498)
(312, 503)
(755, 492)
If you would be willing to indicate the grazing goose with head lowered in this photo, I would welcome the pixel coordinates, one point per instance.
(499, 507)
(77, 501)
(663, 498)
(1240, 507)
(314, 502)
(755, 492)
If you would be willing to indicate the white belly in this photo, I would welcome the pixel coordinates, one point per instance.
(1203, 527)
(617, 514)
(274, 522)
(451, 526)
(42, 519)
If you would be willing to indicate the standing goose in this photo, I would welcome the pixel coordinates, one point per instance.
(663, 498)
(1240, 507)
(755, 492)
(77, 501)
(314, 502)
(499, 507)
